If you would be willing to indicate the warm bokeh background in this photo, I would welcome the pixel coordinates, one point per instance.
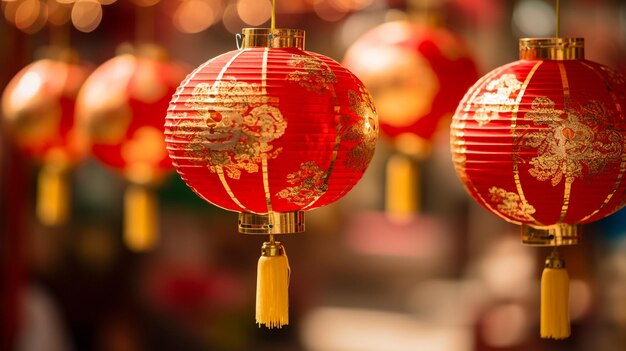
(450, 278)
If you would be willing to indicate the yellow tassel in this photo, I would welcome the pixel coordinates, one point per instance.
(272, 291)
(555, 322)
(402, 188)
(140, 218)
(53, 201)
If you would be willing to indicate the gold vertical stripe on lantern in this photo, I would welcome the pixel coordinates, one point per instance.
(622, 166)
(220, 170)
(229, 191)
(516, 175)
(266, 182)
(568, 182)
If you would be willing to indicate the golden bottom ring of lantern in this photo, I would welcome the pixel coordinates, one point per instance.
(271, 223)
(553, 235)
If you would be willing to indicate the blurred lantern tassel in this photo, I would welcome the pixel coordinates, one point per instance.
(402, 192)
(272, 291)
(140, 218)
(555, 299)
(53, 195)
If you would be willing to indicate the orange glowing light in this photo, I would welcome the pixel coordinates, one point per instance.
(194, 16)
(254, 12)
(30, 16)
(86, 15)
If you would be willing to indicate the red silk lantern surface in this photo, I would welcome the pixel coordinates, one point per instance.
(541, 141)
(121, 109)
(38, 105)
(271, 129)
(417, 75)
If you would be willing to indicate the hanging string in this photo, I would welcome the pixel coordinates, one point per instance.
(557, 18)
(273, 15)
(145, 24)
(60, 35)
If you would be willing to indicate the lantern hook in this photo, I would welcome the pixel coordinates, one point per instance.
(238, 40)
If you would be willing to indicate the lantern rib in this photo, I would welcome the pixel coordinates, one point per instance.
(468, 105)
(518, 99)
(622, 166)
(220, 170)
(333, 160)
(229, 191)
(183, 85)
(266, 182)
(330, 169)
(567, 192)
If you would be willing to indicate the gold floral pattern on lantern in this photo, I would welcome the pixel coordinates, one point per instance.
(234, 127)
(309, 184)
(574, 142)
(364, 132)
(510, 204)
(497, 99)
(312, 74)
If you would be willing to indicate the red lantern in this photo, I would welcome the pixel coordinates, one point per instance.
(121, 110)
(540, 142)
(271, 131)
(38, 105)
(417, 75)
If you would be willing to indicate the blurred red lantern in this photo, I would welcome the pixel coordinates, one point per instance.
(540, 142)
(121, 110)
(417, 75)
(38, 106)
(270, 131)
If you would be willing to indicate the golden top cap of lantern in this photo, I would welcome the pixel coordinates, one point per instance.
(272, 38)
(552, 49)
